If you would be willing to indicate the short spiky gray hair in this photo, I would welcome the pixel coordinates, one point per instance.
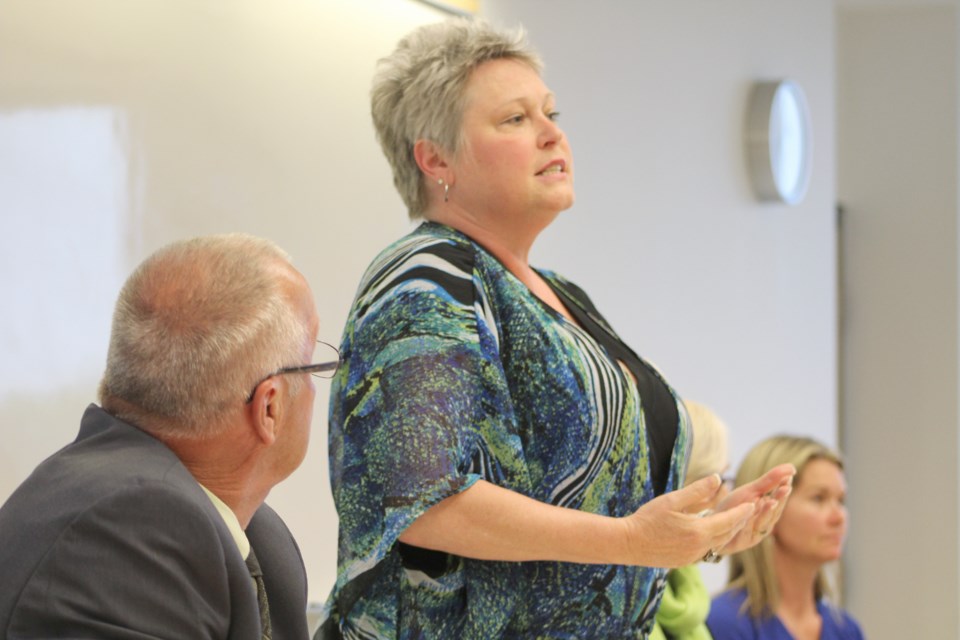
(418, 92)
(196, 326)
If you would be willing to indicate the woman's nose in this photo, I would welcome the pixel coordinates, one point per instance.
(838, 513)
(550, 132)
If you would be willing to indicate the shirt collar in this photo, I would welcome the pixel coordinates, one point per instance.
(230, 519)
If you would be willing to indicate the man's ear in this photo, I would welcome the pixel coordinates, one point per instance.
(267, 410)
(432, 161)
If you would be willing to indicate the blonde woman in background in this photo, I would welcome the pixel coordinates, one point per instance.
(686, 602)
(778, 590)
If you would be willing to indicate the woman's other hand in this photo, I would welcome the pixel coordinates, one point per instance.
(769, 493)
(679, 528)
(672, 530)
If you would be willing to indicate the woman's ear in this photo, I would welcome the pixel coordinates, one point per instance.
(432, 160)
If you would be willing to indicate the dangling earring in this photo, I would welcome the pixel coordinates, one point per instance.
(446, 190)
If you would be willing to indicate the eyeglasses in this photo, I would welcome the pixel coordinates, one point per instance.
(326, 369)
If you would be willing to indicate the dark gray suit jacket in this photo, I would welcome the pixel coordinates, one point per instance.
(111, 537)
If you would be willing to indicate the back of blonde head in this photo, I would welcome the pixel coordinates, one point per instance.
(709, 454)
(753, 569)
(418, 92)
(196, 326)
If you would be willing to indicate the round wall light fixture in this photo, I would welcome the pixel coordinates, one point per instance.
(779, 142)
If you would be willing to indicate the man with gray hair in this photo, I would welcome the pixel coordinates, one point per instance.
(152, 523)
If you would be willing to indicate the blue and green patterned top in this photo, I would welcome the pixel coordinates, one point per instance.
(455, 372)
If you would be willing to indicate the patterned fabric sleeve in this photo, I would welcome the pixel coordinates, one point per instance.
(419, 411)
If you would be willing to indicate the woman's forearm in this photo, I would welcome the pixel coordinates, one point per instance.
(488, 522)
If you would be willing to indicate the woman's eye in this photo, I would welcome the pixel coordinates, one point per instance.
(517, 119)
(553, 115)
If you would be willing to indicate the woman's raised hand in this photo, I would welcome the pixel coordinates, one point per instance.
(671, 530)
(769, 493)
(681, 527)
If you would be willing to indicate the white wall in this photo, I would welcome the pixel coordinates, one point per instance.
(898, 115)
(208, 116)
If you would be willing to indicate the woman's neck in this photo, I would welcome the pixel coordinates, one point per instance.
(511, 248)
(796, 583)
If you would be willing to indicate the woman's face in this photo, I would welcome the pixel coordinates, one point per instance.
(514, 164)
(814, 522)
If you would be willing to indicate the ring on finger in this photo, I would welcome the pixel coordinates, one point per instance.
(712, 557)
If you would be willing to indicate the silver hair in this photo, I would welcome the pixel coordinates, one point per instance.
(197, 325)
(418, 92)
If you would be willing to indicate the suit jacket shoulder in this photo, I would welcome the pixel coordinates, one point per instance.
(112, 537)
(284, 576)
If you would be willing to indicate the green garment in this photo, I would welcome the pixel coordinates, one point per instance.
(683, 610)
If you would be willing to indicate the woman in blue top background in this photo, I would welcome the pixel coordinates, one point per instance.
(503, 465)
(779, 589)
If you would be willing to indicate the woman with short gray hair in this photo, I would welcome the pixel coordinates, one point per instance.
(503, 465)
